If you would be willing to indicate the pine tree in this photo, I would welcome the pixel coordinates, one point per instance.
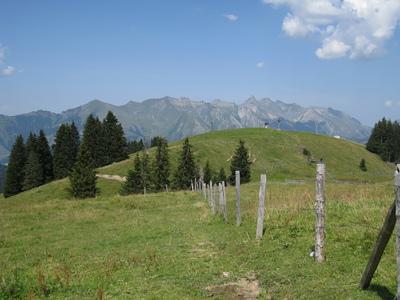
(33, 171)
(31, 144)
(363, 165)
(240, 162)
(221, 176)
(187, 169)
(155, 141)
(94, 141)
(65, 150)
(146, 172)
(83, 175)
(115, 141)
(208, 173)
(45, 157)
(15, 168)
(161, 166)
(133, 183)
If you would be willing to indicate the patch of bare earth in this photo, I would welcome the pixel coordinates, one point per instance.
(245, 288)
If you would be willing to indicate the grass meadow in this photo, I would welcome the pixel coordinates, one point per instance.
(170, 246)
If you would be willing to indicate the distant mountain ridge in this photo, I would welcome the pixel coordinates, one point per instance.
(176, 118)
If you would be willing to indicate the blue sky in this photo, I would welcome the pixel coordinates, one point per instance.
(55, 55)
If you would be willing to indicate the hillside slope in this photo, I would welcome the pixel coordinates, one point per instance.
(280, 154)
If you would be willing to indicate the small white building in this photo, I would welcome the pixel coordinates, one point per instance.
(337, 137)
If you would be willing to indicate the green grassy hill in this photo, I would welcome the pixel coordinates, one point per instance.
(170, 246)
(280, 154)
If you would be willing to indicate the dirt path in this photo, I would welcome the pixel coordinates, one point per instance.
(112, 177)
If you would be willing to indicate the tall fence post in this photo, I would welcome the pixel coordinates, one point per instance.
(261, 207)
(237, 181)
(397, 184)
(191, 184)
(224, 209)
(320, 213)
(212, 199)
(221, 198)
(215, 192)
(204, 190)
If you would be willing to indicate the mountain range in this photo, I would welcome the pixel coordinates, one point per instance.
(175, 118)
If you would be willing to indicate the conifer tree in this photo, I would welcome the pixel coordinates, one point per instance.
(33, 172)
(45, 158)
(93, 141)
(115, 141)
(15, 169)
(161, 166)
(146, 172)
(31, 144)
(187, 169)
(65, 150)
(83, 175)
(208, 173)
(133, 183)
(240, 162)
(221, 176)
(363, 165)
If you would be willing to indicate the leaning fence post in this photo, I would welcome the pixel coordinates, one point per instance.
(397, 184)
(237, 181)
(224, 211)
(261, 207)
(320, 212)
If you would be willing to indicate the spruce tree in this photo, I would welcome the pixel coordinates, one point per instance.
(146, 172)
(161, 166)
(363, 165)
(240, 162)
(65, 150)
(15, 169)
(93, 141)
(221, 176)
(45, 158)
(83, 175)
(133, 183)
(33, 171)
(115, 141)
(31, 144)
(208, 173)
(187, 169)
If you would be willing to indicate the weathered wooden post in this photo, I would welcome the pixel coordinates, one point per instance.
(397, 186)
(224, 211)
(212, 199)
(205, 190)
(261, 207)
(215, 191)
(166, 188)
(191, 185)
(221, 198)
(237, 182)
(320, 212)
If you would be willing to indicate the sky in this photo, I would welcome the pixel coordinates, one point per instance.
(344, 54)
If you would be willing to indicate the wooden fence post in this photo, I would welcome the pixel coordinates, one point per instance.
(237, 181)
(211, 196)
(215, 190)
(191, 184)
(204, 190)
(221, 198)
(224, 211)
(320, 212)
(397, 185)
(261, 207)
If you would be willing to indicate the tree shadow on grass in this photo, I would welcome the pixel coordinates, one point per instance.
(382, 291)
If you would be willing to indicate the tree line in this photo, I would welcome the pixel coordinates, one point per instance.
(33, 163)
(385, 140)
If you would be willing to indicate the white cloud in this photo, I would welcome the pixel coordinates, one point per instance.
(231, 17)
(389, 103)
(260, 65)
(8, 71)
(346, 28)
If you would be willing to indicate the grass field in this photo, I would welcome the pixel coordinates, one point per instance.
(169, 246)
(280, 154)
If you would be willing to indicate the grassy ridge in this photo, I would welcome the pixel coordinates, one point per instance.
(280, 154)
(169, 246)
